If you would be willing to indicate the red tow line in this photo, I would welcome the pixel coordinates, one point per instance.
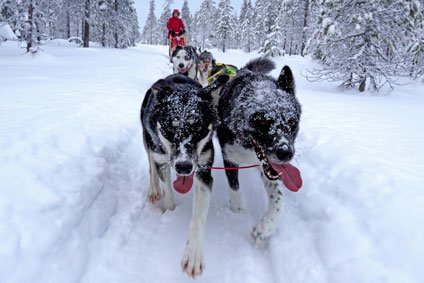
(233, 168)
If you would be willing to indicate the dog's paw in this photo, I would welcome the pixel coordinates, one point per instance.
(192, 262)
(168, 205)
(154, 195)
(262, 231)
(236, 203)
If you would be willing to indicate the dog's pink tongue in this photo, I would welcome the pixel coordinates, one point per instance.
(290, 176)
(183, 184)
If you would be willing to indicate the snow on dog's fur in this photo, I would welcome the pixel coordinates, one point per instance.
(185, 61)
(259, 123)
(178, 121)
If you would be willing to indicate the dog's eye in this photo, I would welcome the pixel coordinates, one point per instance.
(197, 129)
(292, 122)
(187, 58)
(263, 122)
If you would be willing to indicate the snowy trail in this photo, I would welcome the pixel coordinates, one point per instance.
(75, 175)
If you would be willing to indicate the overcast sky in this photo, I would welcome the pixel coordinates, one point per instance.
(142, 7)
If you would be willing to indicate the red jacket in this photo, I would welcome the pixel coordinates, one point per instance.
(176, 24)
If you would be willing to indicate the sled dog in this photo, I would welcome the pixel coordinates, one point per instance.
(185, 61)
(206, 63)
(209, 69)
(259, 122)
(178, 120)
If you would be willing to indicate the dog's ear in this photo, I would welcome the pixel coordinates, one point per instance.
(161, 89)
(211, 92)
(286, 81)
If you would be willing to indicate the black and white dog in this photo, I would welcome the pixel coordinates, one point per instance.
(178, 121)
(259, 122)
(185, 60)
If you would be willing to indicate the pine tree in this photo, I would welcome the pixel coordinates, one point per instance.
(272, 46)
(247, 27)
(150, 35)
(187, 19)
(163, 31)
(360, 42)
(204, 19)
(34, 25)
(224, 23)
(414, 14)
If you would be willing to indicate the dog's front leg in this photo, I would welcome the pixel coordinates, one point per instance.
(192, 262)
(236, 203)
(269, 222)
(165, 181)
(154, 194)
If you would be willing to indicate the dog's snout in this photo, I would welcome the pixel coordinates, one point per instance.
(284, 153)
(184, 168)
(181, 65)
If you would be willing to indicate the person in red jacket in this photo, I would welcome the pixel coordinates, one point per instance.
(175, 31)
(175, 25)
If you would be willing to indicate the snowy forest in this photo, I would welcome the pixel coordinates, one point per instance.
(111, 23)
(360, 43)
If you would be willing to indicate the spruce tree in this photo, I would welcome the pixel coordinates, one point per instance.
(360, 43)
(205, 23)
(187, 19)
(224, 23)
(150, 35)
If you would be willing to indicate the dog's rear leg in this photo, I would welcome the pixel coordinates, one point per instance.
(236, 203)
(269, 222)
(192, 262)
(153, 195)
(165, 181)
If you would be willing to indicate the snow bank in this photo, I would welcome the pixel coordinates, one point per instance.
(6, 32)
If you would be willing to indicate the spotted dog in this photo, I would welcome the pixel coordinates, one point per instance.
(185, 61)
(178, 121)
(259, 123)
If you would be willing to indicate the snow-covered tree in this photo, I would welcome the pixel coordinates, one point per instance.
(272, 46)
(247, 27)
(187, 19)
(414, 13)
(359, 42)
(150, 33)
(166, 14)
(205, 22)
(224, 23)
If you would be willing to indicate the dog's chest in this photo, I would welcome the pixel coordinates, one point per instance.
(240, 155)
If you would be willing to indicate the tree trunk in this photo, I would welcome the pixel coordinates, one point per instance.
(30, 35)
(362, 85)
(116, 18)
(86, 35)
(305, 27)
(68, 23)
(104, 35)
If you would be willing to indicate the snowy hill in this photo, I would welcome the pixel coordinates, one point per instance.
(75, 177)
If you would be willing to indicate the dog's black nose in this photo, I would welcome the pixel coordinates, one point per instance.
(284, 153)
(181, 65)
(183, 168)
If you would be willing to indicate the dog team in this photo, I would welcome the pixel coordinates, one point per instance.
(256, 119)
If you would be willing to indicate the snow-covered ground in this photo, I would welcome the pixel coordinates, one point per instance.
(74, 178)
